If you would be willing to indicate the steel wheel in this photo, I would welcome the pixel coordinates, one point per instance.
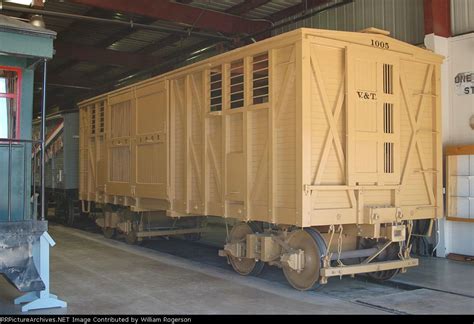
(109, 232)
(244, 266)
(70, 212)
(314, 246)
(390, 253)
(193, 237)
(131, 238)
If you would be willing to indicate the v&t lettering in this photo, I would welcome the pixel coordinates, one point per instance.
(367, 95)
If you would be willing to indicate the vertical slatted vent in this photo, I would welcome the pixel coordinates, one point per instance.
(216, 88)
(388, 152)
(119, 159)
(388, 118)
(120, 121)
(92, 111)
(388, 78)
(101, 117)
(237, 84)
(260, 83)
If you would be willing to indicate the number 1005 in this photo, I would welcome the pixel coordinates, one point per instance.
(380, 44)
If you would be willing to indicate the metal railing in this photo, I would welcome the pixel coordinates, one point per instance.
(12, 142)
(20, 143)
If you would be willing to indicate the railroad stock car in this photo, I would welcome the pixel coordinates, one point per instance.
(326, 145)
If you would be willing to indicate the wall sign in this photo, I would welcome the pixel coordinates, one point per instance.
(464, 83)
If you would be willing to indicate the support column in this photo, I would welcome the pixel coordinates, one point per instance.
(41, 299)
(438, 17)
(440, 45)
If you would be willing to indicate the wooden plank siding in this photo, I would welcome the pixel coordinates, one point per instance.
(308, 128)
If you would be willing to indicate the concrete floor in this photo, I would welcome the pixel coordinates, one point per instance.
(441, 274)
(99, 276)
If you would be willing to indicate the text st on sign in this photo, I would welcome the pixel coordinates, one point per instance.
(464, 83)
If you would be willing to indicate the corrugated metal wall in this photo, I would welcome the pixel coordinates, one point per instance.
(462, 16)
(403, 18)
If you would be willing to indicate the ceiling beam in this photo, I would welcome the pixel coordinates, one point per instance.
(246, 6)
(182, 13)
(73, 29)
(296, 9)
(161, 43)
(168, 61)
(69, 32)
(63, 83)
(238, 9)
(71, 82)
(103, 56)
(171, 39)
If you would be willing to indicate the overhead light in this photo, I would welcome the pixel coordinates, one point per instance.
(37, 20)
(20, 2)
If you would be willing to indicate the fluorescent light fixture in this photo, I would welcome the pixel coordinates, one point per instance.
(21, 2)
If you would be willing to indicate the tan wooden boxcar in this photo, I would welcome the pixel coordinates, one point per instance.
(325, 144)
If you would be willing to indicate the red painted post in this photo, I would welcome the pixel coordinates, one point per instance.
(438, 17)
